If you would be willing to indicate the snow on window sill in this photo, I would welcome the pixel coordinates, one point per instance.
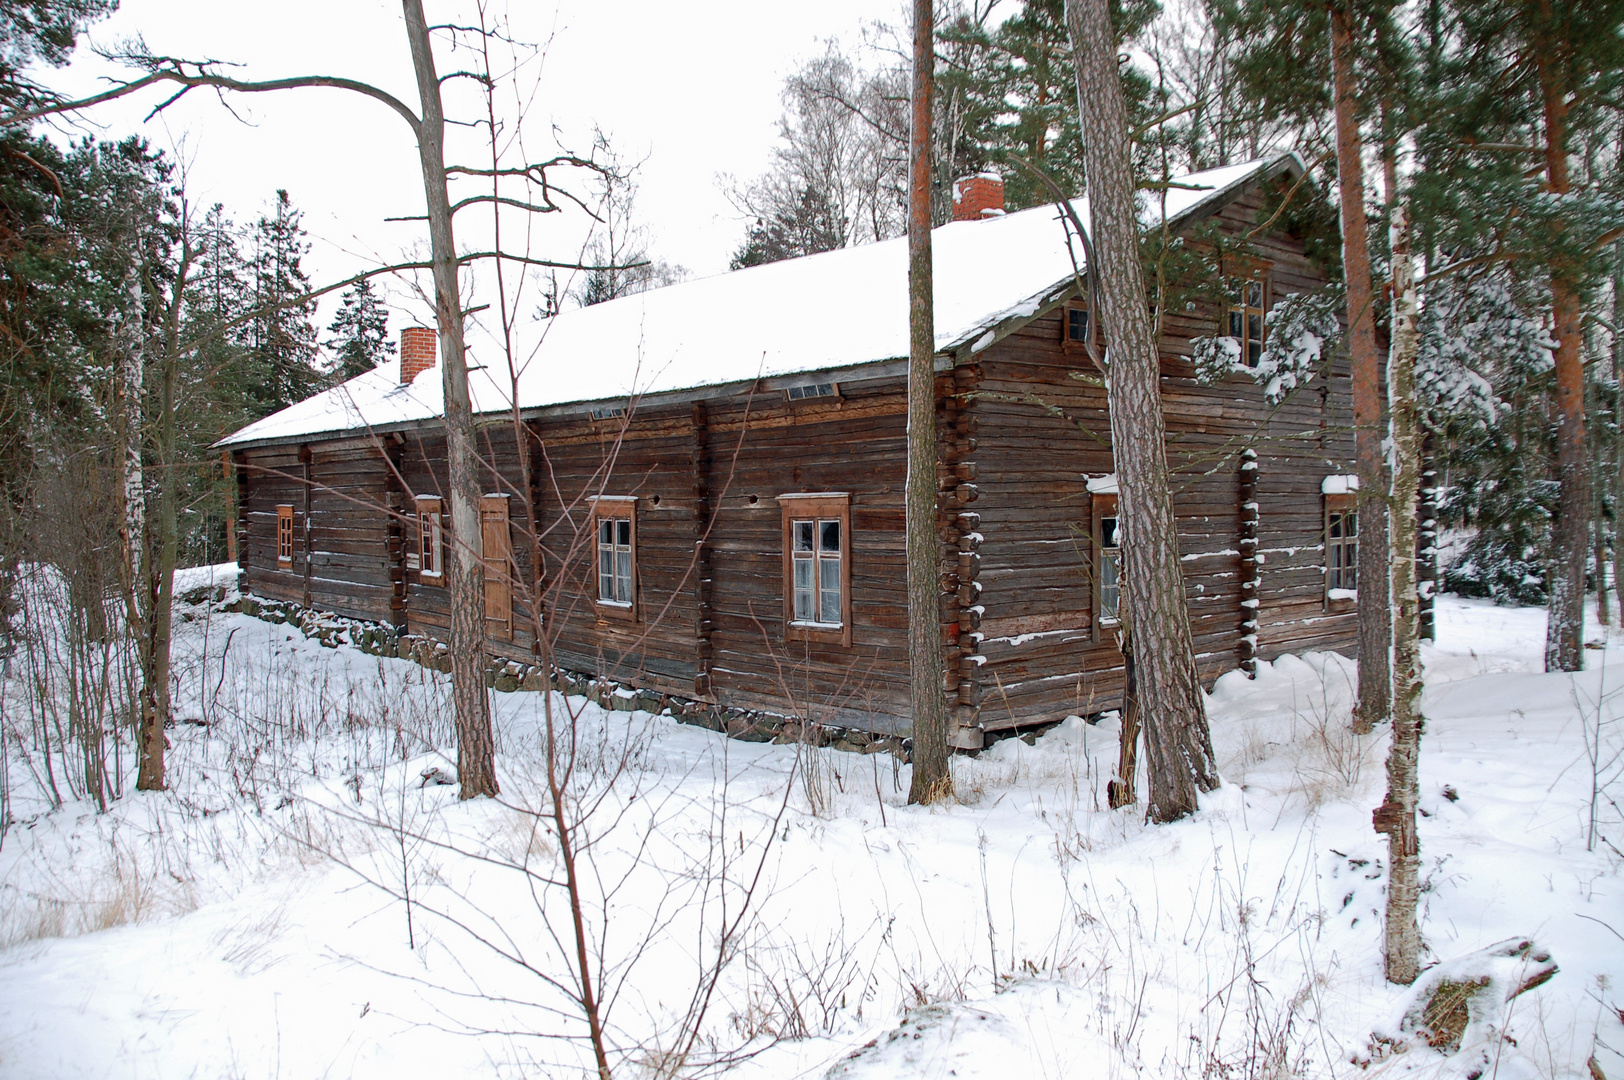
(1341, 594)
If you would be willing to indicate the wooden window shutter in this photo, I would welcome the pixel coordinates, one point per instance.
(496, 547)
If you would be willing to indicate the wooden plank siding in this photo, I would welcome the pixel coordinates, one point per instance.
(1044, 655)
(1019, 436)
(424, 472)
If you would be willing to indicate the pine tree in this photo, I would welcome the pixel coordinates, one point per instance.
(361, 333)
(281, 336)
(1520, 165)
(1018, 87)
(1332, 64)
(40, 32)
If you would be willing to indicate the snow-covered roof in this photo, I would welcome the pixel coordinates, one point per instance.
(834, 310)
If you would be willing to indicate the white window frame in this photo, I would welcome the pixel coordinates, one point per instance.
(1341, 551)
(1107, 561)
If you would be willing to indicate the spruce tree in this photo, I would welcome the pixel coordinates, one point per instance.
(281, 336)
(360, 330)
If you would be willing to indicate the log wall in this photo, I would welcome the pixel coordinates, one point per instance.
(1019, 435)
(1044, 431)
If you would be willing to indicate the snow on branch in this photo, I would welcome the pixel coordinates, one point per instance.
(1469, 326)
(1300, 325)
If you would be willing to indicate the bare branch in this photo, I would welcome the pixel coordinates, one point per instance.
(549, 208)
(194, 73)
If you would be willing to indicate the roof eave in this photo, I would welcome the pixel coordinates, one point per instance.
(890, 367)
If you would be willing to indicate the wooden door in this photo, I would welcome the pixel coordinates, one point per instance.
(497, 548)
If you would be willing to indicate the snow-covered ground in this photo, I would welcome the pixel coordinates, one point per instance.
(249, 922)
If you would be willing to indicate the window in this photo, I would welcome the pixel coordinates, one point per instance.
(1247, 299)
(814, 390)
(1078, 326)
(817, 566)
(1341, 548)
(430, 540)
(615, 526)
(284, 537)
(1107, 561)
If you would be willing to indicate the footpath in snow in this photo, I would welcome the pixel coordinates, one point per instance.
(302, 902)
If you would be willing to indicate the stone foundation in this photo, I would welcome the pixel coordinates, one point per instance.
(511, 676)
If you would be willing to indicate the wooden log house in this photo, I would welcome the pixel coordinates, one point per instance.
(716, 470)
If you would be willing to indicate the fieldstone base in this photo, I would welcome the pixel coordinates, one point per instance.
(513, 676)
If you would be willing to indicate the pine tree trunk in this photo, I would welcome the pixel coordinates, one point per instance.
(1178, 745)
(1375, 619)
(476, 749)
(1396, 816)
(1564, 626)
(932, 779)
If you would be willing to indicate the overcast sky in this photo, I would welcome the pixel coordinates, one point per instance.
(691, 90)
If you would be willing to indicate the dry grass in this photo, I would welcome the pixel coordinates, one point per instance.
(121, 892)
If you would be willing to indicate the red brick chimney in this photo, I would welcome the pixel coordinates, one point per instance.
(419, 351)
(977, 197)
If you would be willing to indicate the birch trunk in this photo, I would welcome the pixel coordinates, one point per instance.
(932, 779)
(1604, 613)
(1178, 745)
(1564, 625)
(1618, 430)
(1426, 547)
(130, 387)
(1375, 621)
(1396, 816)
(476, 750)
(131, 401)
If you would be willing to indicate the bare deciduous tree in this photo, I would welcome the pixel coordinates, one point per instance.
(476, 757)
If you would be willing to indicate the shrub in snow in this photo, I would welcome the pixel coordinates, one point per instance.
(1299, 327)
